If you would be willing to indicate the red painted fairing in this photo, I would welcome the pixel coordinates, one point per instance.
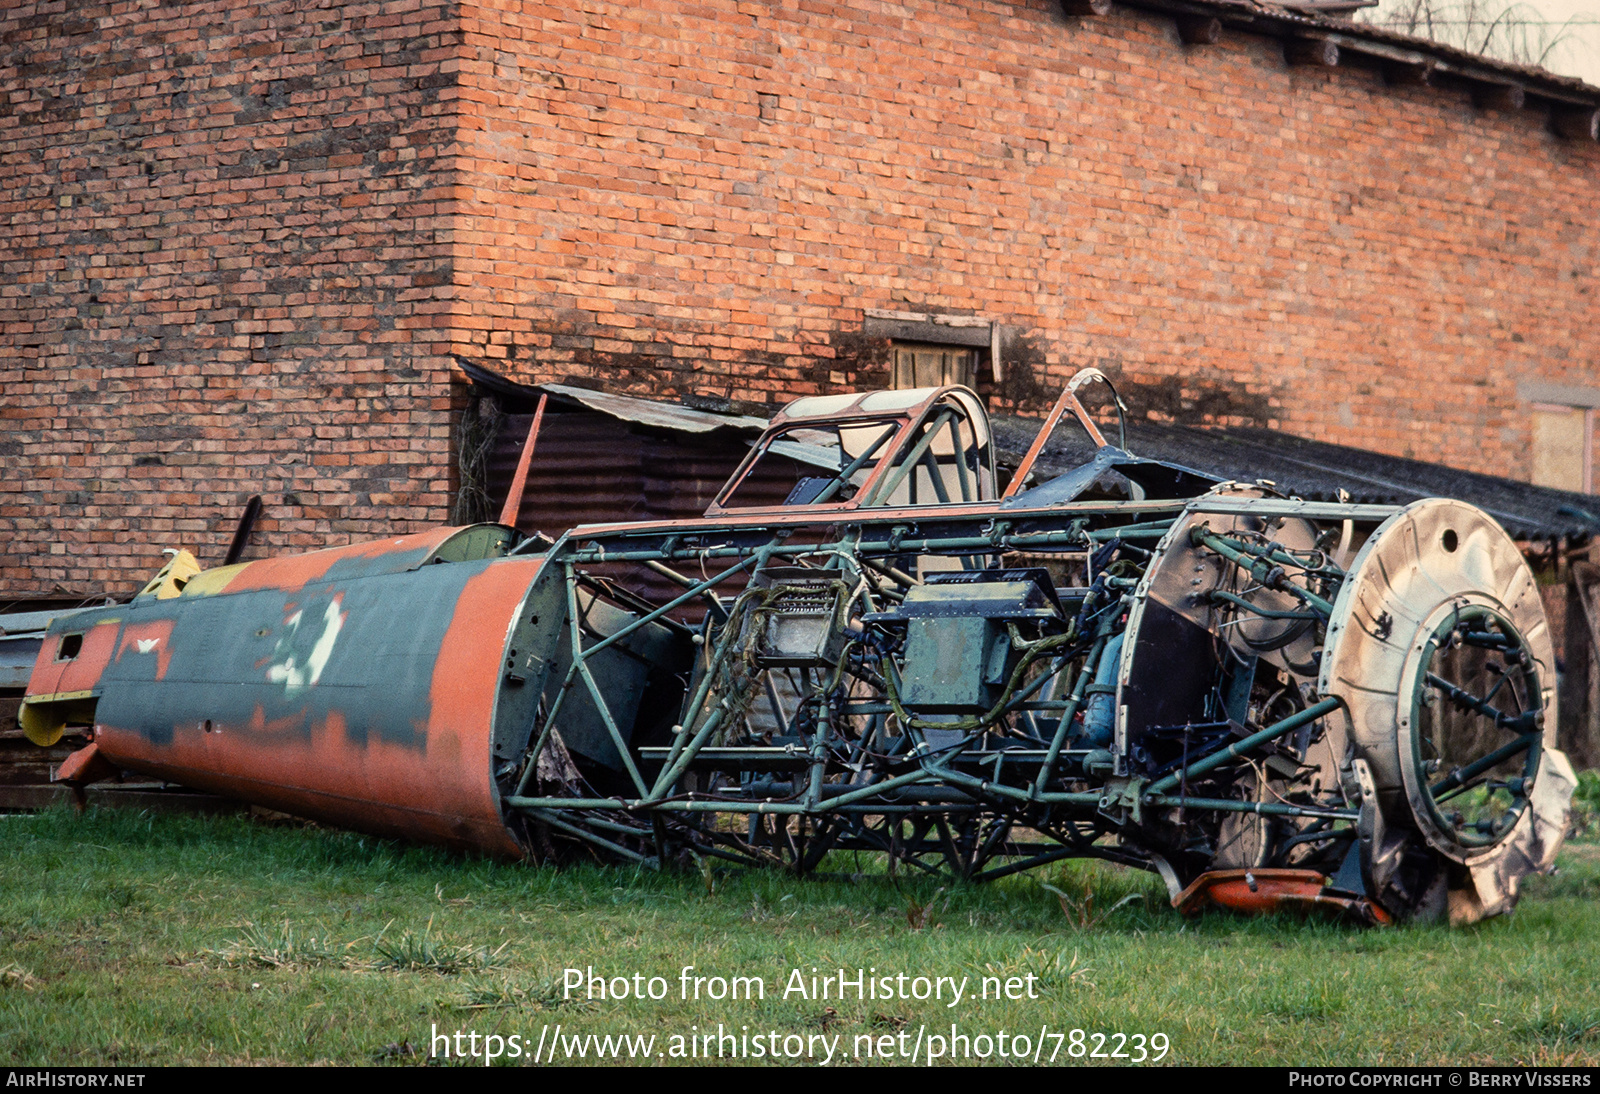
(443, 793)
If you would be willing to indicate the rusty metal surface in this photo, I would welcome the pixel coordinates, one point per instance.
(1194, 678)
(1271, 891)
(593, 468)
(356, 686)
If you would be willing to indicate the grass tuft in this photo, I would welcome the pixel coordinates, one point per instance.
(278, 947)
(426, 953)
(1585, 819)
(15, 976)
(506, 994)
(1558, 1033)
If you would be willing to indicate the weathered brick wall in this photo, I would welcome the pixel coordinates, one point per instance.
(222, 272)
(708, 195)
(239, 239)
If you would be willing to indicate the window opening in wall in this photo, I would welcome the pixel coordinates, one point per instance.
(931, 350)
(1563, 447)
(921, 364)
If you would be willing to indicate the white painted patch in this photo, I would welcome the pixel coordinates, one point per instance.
(332, 620)
(291, 672)
(148, 644)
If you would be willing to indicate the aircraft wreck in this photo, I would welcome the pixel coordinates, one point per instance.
(867, 645)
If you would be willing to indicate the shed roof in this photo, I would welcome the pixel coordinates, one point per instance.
(1574, 104)
(1317, 471)
(1309, 469)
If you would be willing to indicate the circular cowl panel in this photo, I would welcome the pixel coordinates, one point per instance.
(1169, 664)
(1439, 648)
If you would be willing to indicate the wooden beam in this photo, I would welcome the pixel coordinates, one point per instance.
(1396, 74)
(513, 505)
(1086, 7)
(1311, 51)
(1199, 30)
(1581, 123)
(1498, 96)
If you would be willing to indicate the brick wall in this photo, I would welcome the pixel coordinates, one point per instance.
(244, 236)
(710, 194)
(223, 271)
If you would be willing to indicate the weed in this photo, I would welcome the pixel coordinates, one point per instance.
(1557, 1032)
(1079, 911)
(505, 994)
(1304, 1000)
(1585, 819)
(918, 912)
(277, 948)
(426, 953)
(15, 976)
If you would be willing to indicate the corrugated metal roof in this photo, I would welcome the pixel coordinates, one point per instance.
(1317, 471)
(598, 475)
(629, 408)
(655, 413)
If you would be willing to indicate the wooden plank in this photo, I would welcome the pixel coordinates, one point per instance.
(30, 798)
(1576, 123)
(1398, 74)
(112, 797)
(1586, 579)
(1506, 97)
(26, 774)
(1317, 52)
(1199, 30)
(1579, 721)
(21, 750)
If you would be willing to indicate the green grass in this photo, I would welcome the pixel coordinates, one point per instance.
(129, 939)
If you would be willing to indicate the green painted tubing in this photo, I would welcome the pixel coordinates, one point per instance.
(1257, 568)
(612, 728)
(953, 543)
(1229, 805)
(598, 841)
(912, 458)
(983, 786)
(1264, 613)
(544, 732)
(1128, 533)
(697, 702)
(681, 764)
(1064, 727)
(865, 792)
(840, 479)
(1526, 721)
(1484, 763)
(1238, 748)
(580, 662)
(665, 608)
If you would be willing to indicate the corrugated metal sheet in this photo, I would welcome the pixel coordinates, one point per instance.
(630, 408)
(591, 467)
(1316, 470)
(630, 471)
